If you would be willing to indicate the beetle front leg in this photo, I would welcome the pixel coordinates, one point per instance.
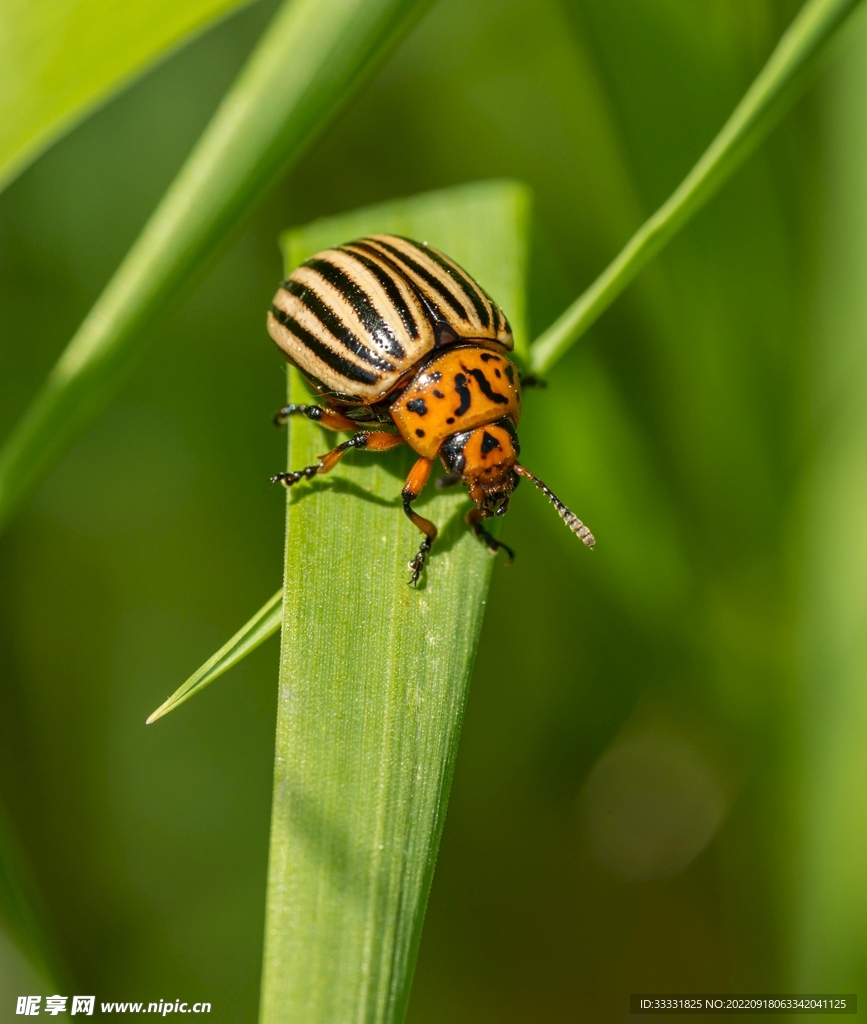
(374, 442)
(474, 521)
(415, 482)
(327, 418)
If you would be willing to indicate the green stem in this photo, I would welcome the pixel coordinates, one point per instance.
(307, 65)
(765, 102)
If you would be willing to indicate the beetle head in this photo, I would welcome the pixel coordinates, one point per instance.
(484, 459)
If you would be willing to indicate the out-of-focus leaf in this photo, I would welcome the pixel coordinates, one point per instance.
(373, 673)
(309, 62)
(264, 623)
(765, 102)
(19, 917)
(61, 58)
(831, 911)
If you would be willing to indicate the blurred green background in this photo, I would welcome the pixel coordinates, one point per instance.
(663, 774)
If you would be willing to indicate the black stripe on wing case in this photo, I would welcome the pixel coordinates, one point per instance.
(434, 313)
(326, 315)
(464, 282)
(364, 309)
(388, 285)
(326, 354)
(496, 313)
(427, 277)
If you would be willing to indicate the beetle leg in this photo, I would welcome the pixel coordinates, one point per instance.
(447, 480)
(474, 521)
(375, 442)
(532, 381)
(415, 482)
(328, 418)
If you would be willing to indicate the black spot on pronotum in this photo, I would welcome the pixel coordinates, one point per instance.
(450, 420)
(435, 376)
(463, 393)
(419, 433)
(438, 394)
(418, 406)
(484, 385)
(510, 374)
(487, 357)
(489, 443)
(497, 372)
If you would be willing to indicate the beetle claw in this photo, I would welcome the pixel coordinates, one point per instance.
(417, 564)
(288, 479)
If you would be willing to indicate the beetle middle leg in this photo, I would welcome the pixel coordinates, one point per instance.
(447, 480)
(415, 482)
(327, 418)
(373, 442)
(474, 521)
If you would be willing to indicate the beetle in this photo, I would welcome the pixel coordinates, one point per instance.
(393, 332)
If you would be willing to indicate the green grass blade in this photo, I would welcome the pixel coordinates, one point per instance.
(265, 623)
(308, 63)
(774, 89)
(61, 58)
(373, 674)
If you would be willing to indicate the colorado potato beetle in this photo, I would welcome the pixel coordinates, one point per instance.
(391, 331)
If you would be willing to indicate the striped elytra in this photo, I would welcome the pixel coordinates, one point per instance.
(393, 333)
(358, 318)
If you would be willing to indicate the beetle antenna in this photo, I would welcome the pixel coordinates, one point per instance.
(569, 518)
